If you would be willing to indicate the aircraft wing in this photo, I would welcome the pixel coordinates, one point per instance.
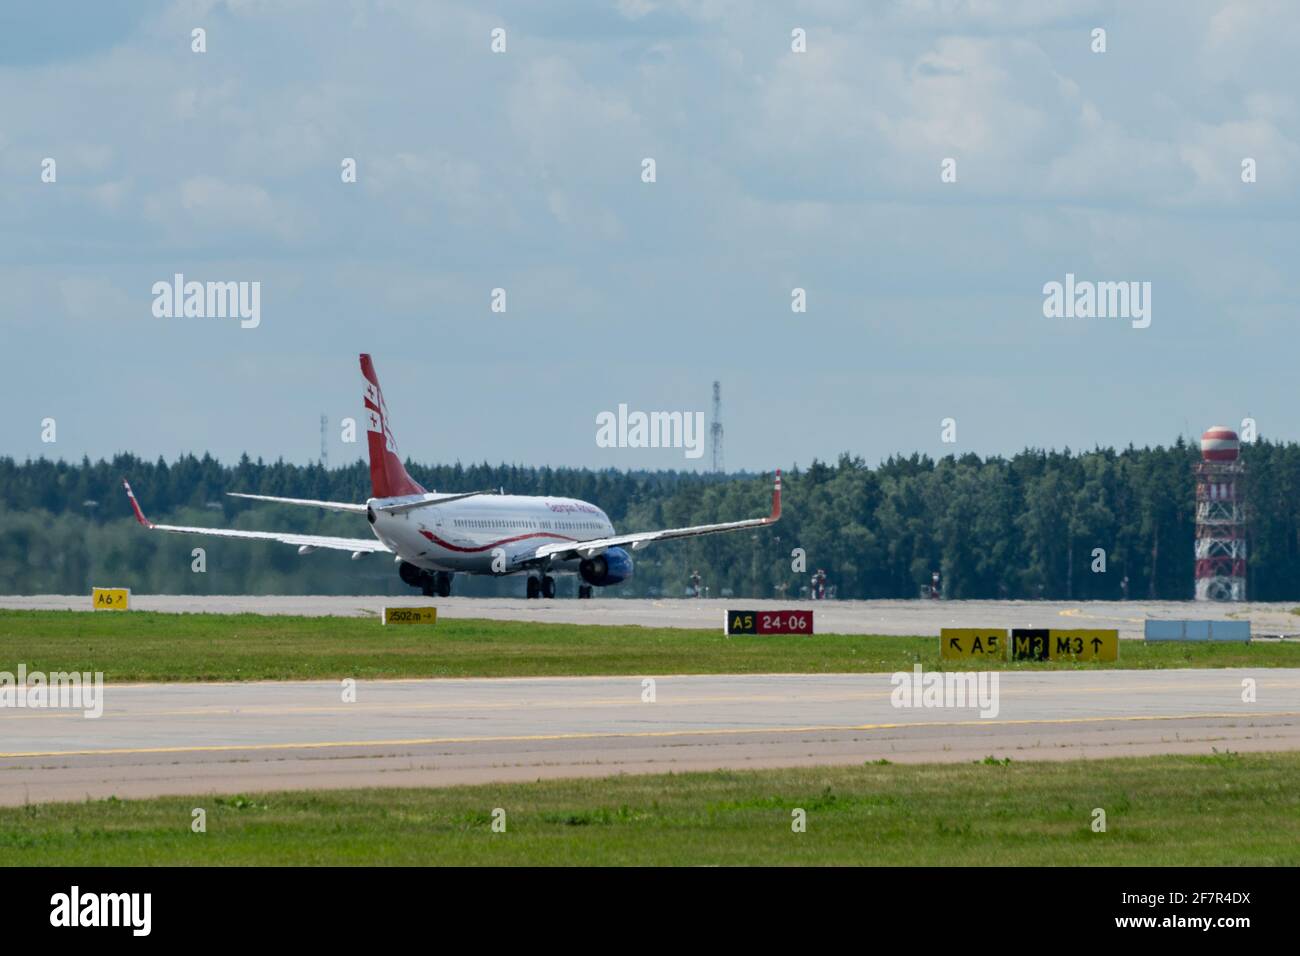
(594, 546)
(396, 507)
(328, 505)
(304, 542)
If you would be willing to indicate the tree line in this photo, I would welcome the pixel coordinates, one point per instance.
(1100, 524)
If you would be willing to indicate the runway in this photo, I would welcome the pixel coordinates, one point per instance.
(923, 618)
(156, 739)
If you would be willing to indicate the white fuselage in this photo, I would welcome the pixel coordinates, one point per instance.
(468, 535)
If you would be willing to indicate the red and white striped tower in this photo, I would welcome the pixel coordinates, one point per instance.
(1220, 519)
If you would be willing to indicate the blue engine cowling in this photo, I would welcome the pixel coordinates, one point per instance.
(613, 566)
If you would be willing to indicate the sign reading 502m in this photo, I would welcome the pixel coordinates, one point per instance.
(410, 615)
(760, 623)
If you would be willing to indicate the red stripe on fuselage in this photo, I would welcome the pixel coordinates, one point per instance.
(523, 537)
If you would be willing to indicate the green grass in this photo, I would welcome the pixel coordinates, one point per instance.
(152, 646)
(1225, 809)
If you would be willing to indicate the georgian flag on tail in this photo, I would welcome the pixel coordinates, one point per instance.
(388, 477)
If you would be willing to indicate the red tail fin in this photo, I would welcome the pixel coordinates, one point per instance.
(388, 478)
(776, 500)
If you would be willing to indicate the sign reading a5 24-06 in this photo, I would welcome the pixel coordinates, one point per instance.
(760, 623)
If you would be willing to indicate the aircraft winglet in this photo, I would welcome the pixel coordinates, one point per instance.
(135, 505)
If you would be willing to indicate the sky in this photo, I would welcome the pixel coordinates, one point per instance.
(523, 170)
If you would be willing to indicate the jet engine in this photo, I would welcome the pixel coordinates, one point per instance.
(613, 566)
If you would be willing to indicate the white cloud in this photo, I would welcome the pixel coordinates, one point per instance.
(204, 203)
(92, 299)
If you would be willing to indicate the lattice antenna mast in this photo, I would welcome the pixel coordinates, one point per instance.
(715, 430)
(324, 447)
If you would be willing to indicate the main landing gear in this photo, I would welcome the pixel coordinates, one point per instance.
(438, 583)
(544, 587)
(541, 587)
(430, 583)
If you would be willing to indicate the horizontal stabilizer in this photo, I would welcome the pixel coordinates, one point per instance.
(401, 507)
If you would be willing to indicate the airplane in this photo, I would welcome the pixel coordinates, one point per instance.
(434, 537)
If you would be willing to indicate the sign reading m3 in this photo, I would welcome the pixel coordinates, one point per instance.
(410, 615)
(1077, 644)
(961, 643)
(110, 599)
(1084, 644)
(1029, 644)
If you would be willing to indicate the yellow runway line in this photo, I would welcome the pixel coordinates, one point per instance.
(729, 731)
